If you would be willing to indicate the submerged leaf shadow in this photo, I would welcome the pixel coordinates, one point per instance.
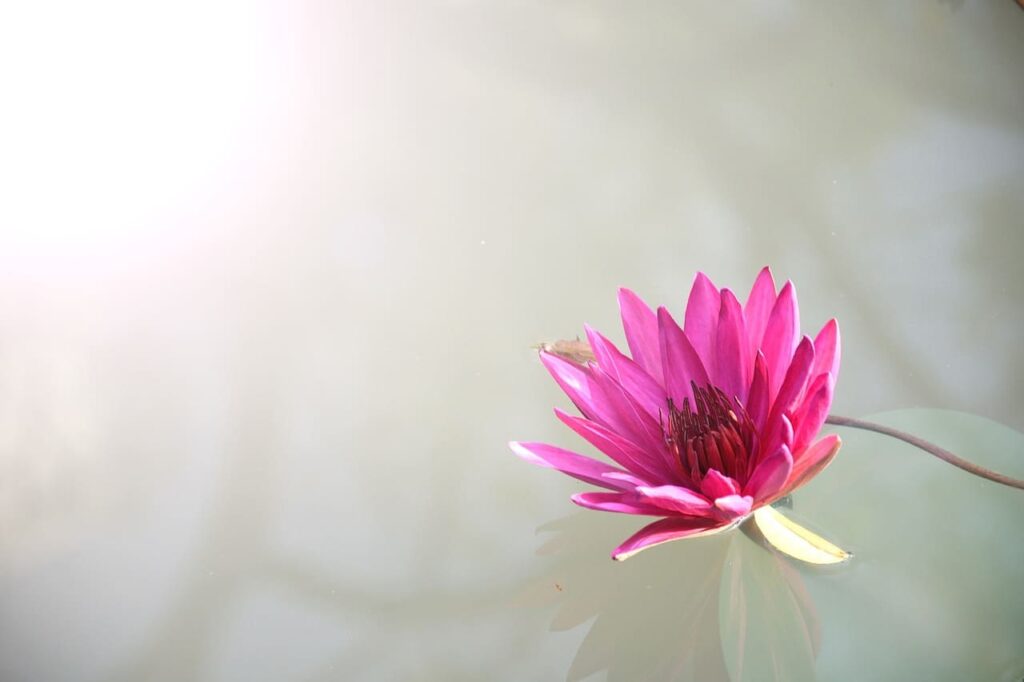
(719, 608)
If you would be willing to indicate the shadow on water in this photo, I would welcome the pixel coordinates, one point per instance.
(709, 609)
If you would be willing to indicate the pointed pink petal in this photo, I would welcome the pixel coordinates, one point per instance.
(676, 499)
(717, 485)
(626, 417)
(624, 452)
(701, 320)
(632, 479)
(780, 433)
(770, 475)
(665, 530)
(577, 383)
(600, 399)
(812, 462)
(682, 365)
(759, 307)
(734, 506)
(785, 402)
(637, 382)
(575, 465)
(780, 336)
(809, 417)
(827, 350)
(757, 399)
(621, 503)
(641, 327)
(731, 349)
(796, 379)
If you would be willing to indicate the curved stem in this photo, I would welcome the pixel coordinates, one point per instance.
(930, 448)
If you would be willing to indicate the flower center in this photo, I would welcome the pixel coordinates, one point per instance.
(712, 433)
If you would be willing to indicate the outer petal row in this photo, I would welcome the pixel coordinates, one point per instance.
(601, 399)
(578, 466)
(810, 415)
(811, 463)
(619, 502)
(623, 452)
(631, 376)
(675, 499)
(666, 530)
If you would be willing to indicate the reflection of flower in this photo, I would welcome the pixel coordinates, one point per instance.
(716, 610)
(707, 422)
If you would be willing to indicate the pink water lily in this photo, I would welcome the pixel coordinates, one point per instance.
(706, 422)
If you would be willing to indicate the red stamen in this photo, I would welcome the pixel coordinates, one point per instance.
(714, 433)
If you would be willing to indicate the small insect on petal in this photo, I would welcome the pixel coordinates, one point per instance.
(795, 540)
(572, 350)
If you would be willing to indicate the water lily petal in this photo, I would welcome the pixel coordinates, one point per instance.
(734, 505)
(681, 362)
(827, 350)
(770, 475)
(631, 376)
(780, 336)
(701, 321)
(715, 485)
(781, 434)
(621, 503)
(758, 307)
(632, 479)
(731, 348)
(796, 376)
(792, 387)
(570, 463)
(812, 462)
(675, 498)
(622, 451)
(811, 414)
(627, 417)
(641, 328)
(764, 392)
(757, 398)
(793, 539)
(665, 530)
(600, 399)
(576, 381)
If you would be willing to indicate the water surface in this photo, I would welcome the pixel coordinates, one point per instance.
(270, 280)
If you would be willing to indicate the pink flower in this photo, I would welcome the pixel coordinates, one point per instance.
(707, 422)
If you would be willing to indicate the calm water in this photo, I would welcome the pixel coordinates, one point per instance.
(269, 278)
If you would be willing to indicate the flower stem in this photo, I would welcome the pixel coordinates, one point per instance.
(930, 448)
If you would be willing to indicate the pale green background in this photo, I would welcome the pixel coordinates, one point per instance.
(270, 275)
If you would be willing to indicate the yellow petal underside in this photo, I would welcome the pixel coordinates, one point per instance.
(795, 540)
